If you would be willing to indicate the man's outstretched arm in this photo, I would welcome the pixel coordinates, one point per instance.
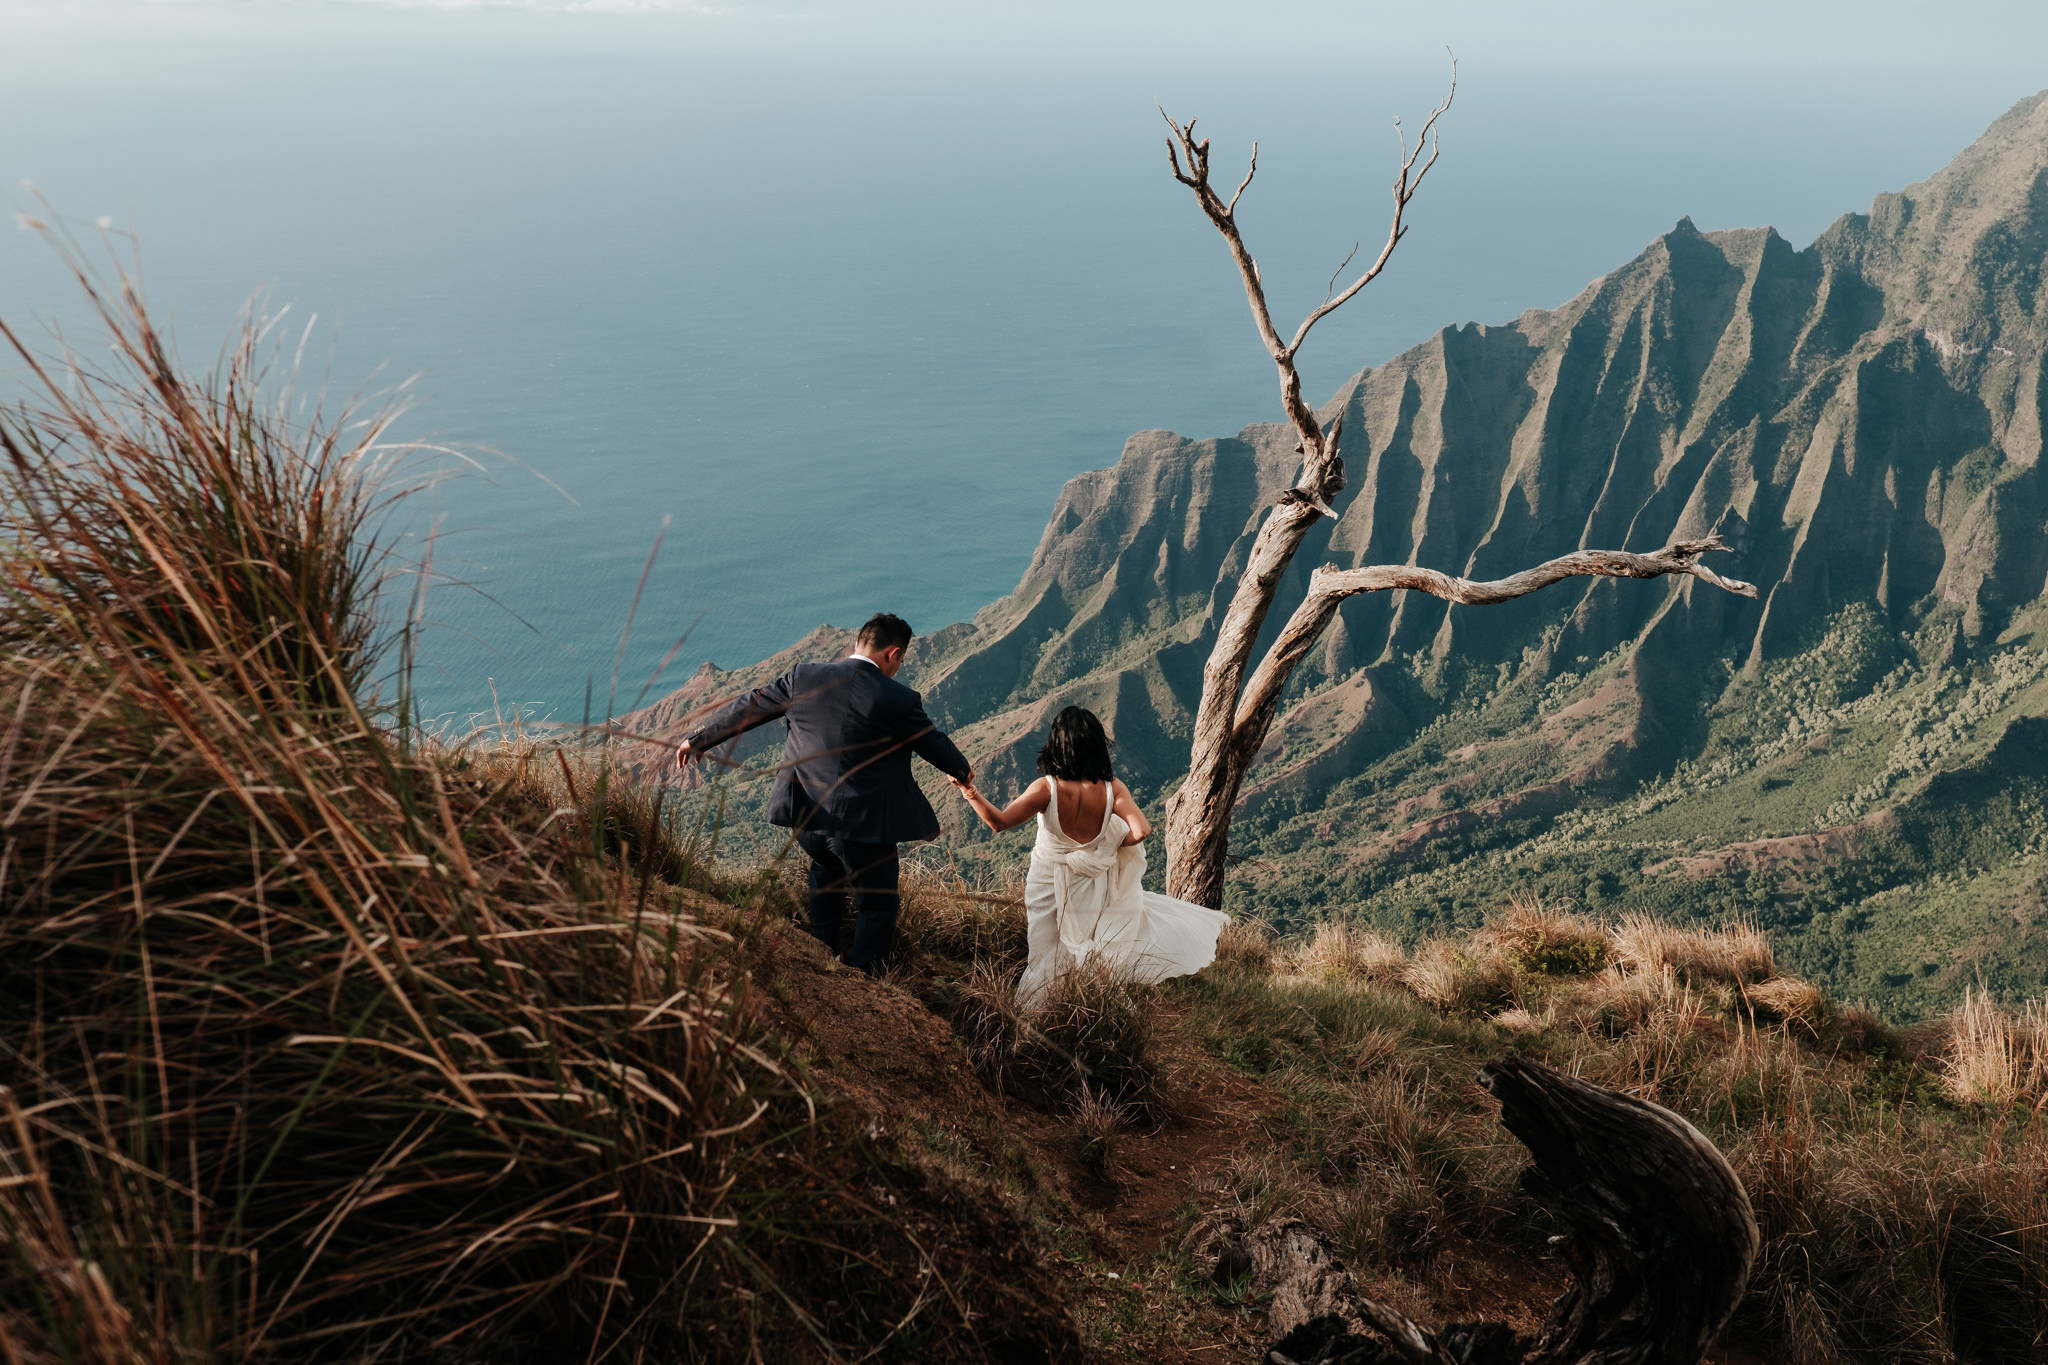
(758, 707)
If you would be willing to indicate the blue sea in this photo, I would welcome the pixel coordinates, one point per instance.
(818, 307)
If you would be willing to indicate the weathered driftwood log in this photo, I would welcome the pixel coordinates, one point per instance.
(1663, 1239)
(1664, 1236)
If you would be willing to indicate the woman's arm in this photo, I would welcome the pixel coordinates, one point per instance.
(1024, 808)
(1127, 807)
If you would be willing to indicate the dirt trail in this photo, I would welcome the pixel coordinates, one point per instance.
(876, 1043)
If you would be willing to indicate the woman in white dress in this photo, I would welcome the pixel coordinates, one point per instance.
(1084, 897)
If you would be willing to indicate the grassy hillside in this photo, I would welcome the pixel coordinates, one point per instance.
(320, 1040)
(1874, 798)
(1898, 1177)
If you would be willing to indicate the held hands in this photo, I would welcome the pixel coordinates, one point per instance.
(976, 802)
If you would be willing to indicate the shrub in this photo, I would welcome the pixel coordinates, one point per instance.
(1541, 941)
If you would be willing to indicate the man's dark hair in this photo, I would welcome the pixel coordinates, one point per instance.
(885, 630)
(1077, 749)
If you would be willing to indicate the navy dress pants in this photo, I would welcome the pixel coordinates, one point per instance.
(866, 874)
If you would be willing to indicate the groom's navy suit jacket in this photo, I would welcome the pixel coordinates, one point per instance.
(846, 763)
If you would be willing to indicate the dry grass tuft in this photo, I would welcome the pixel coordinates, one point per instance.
(1098, 1122)
(1412, 1166)
(944, 917)
(1461, 979)
(1616, 1003)
(282, 987)
(1541, 941)
(322, 1042)
(1341, 950)
(1895, 1243)
(1091, 1035)
(1246, 945)
(1995, 1057)
(1374, 1048)
(1737, 954)
(639, 826)
(1787, 1000)
(1861, 1031)
(1259, 1185)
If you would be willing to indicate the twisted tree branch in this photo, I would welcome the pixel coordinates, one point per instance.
(1327, 587)
(1406, 183)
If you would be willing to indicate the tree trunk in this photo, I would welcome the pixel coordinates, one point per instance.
(1198, 816)
(1198, 813)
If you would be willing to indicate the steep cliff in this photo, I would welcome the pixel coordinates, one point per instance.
(1862, 420)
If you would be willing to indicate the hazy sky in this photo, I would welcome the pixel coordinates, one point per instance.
(1995, 36)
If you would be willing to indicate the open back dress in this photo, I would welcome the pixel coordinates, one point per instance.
(1087, 903)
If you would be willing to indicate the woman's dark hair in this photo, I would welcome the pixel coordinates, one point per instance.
(1077, 749)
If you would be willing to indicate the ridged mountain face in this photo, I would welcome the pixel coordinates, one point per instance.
(1861, 420)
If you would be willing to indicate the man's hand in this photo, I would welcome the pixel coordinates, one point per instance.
(686, 756)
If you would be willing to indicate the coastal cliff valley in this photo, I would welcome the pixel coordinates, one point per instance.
(1854, 761)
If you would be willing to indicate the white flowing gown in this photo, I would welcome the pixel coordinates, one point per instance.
(1088, 902)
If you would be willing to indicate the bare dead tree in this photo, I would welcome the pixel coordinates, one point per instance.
(1232, 718)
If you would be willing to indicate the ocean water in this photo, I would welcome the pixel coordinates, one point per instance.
(828, 304)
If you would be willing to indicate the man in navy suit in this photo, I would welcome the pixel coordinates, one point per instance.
(845, 784)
